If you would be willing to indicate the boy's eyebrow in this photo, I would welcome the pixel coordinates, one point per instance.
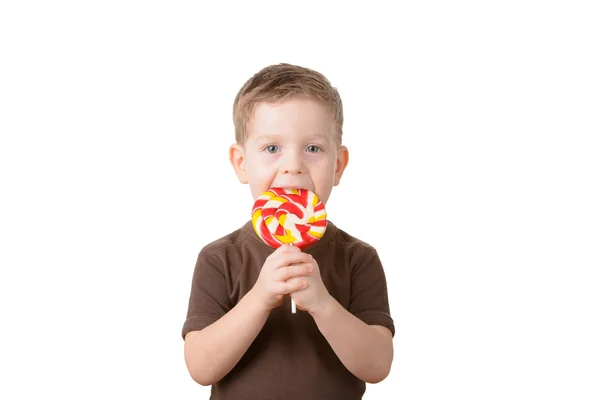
(319, 136)
(267, 137)
(275, 137)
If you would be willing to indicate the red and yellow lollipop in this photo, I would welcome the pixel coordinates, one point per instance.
(289, 216)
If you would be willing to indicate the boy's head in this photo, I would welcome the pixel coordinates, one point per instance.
(288, 126)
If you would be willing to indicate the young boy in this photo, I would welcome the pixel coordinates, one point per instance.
(240, 334)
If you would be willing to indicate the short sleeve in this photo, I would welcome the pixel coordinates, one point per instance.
(369, 295)
(209, 298)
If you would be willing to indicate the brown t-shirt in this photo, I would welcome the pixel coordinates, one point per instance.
(290, 358)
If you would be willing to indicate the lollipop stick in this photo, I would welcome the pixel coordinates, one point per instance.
(293, 302)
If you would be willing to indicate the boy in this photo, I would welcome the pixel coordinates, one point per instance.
(240, 335)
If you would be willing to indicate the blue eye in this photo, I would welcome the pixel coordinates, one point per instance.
(272, 149)
(313, 149)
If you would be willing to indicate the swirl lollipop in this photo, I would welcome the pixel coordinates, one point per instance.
(289, 216)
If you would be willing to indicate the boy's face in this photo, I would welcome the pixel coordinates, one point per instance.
(291, 144)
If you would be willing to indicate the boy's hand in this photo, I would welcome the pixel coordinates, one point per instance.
(273, 283)
(315, 296)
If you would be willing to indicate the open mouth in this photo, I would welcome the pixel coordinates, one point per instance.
(292, 187)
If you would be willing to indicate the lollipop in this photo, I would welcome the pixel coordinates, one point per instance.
(289, 216)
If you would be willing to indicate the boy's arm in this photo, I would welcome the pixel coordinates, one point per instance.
(361, 336)
(213, 351)
(365, 350)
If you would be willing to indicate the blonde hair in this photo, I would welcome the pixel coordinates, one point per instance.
(279, 81)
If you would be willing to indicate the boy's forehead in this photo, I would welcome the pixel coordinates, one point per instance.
(293, 117)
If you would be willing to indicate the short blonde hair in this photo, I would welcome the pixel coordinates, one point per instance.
(277, 82)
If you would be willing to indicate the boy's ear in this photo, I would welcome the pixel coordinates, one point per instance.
(237, 157)
(341, 163)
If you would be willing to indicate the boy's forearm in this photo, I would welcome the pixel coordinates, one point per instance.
(212, 352)
(363, 349)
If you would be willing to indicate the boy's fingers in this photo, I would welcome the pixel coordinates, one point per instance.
(291, 286)
(287, 248)
(284, 251)
(293, 258)
(286, 273)
(294, 285)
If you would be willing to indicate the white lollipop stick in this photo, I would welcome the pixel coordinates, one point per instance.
(293, 307)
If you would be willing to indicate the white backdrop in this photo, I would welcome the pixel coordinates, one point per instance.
(473, 125)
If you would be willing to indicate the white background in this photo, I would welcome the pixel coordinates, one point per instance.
(473, 126)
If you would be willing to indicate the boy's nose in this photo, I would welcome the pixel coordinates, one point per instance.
(292, 164)
(293, 171)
